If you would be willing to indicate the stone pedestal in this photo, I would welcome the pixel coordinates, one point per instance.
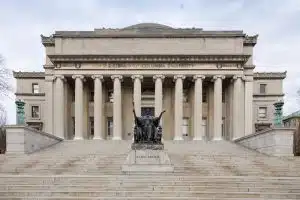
(151, 158)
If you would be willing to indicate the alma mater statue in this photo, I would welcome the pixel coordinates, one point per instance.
(147, 129)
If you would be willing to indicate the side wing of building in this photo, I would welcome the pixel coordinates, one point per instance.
(30, 88)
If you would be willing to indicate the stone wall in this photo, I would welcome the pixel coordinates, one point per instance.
(23, 139)
(297, 142)
(273, 141)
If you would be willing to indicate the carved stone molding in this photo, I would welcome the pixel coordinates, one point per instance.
(179, 77)
(120, 77)
(195, 77)
(49, 78)
(60, 77)
(77, 65)
(238, 76)
(79, 76)
(97, 76)
(136, 76)
(215, 77)
(240, 58)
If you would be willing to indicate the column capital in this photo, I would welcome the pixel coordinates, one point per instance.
(49, 78)
(136, 76)
(195, 77)
(97, 76)
(248, 78)
(215, 77)
(78, 76)
(120, 77)
(179, 77)
(59, 77)
(159, 76)
(238, 76)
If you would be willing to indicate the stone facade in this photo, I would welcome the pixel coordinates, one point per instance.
(203, 79)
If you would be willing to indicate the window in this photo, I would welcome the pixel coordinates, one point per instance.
(110, 96)
(185, 126)
(35, 112)
(109, 126)
(262, 112)
(92, 126)
(204, 95)
(35, 88)
(262, 88)
(92, 96)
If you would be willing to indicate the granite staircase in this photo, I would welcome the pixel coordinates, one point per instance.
(203, 170)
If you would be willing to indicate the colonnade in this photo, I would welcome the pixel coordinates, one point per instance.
(237, 112)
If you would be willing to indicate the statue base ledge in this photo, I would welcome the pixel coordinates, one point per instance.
(147, 146)
(147, 161)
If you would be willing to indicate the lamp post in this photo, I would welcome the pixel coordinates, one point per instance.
(278, 114)
(20, 111)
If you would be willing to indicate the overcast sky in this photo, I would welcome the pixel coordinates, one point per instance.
(276, 21)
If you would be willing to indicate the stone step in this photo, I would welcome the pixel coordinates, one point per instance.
(103, 194)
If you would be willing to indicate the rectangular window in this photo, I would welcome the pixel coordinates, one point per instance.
(35, 88)
(185, 126)
(92, 126)
(204, 95)
(110, 96)
(262, 88)
(262, 112)
(109, 126)
(35, 112)
(92, 96)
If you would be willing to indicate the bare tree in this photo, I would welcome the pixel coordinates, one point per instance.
(5, 89)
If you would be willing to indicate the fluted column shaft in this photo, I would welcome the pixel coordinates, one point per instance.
(178, 106)
(98, 107)
(117, 108)
(137, 93)
(237, 90)
(158, 93)
(248, 105)
(59, 104)
(198, 132)
(217, 107)
(78, 106)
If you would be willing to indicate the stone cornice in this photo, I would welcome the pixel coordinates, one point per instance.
(269, 75)
(268, 95)
(237, 58)
(35, 75)
(250, 40)
(30, 94)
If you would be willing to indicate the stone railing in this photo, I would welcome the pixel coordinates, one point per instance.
(22, 139)
(272, 141)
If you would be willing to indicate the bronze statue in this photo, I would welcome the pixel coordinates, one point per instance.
(147, 128)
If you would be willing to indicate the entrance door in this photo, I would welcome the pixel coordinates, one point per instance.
(147, 111)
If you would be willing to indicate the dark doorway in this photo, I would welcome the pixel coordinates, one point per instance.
(147, 111)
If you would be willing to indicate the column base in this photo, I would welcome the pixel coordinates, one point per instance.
(217, 139)
(78, 138)
(178, 138)
(97, 138)
(197, 138)
(116, 138)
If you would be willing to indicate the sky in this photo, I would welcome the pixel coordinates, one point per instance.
(277, 22)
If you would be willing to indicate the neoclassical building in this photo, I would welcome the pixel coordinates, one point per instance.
(205, 81)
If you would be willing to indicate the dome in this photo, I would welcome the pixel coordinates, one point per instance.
(147, 26)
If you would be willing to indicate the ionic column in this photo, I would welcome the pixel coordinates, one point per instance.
(237, 89)
(49, 102)
(117, 108)
(198, 133)
(248, 105)
(178, 106)
(59, 107)
(98, 107)
(78, 106)
(137, 93)
(217, 123)
(158, 93)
